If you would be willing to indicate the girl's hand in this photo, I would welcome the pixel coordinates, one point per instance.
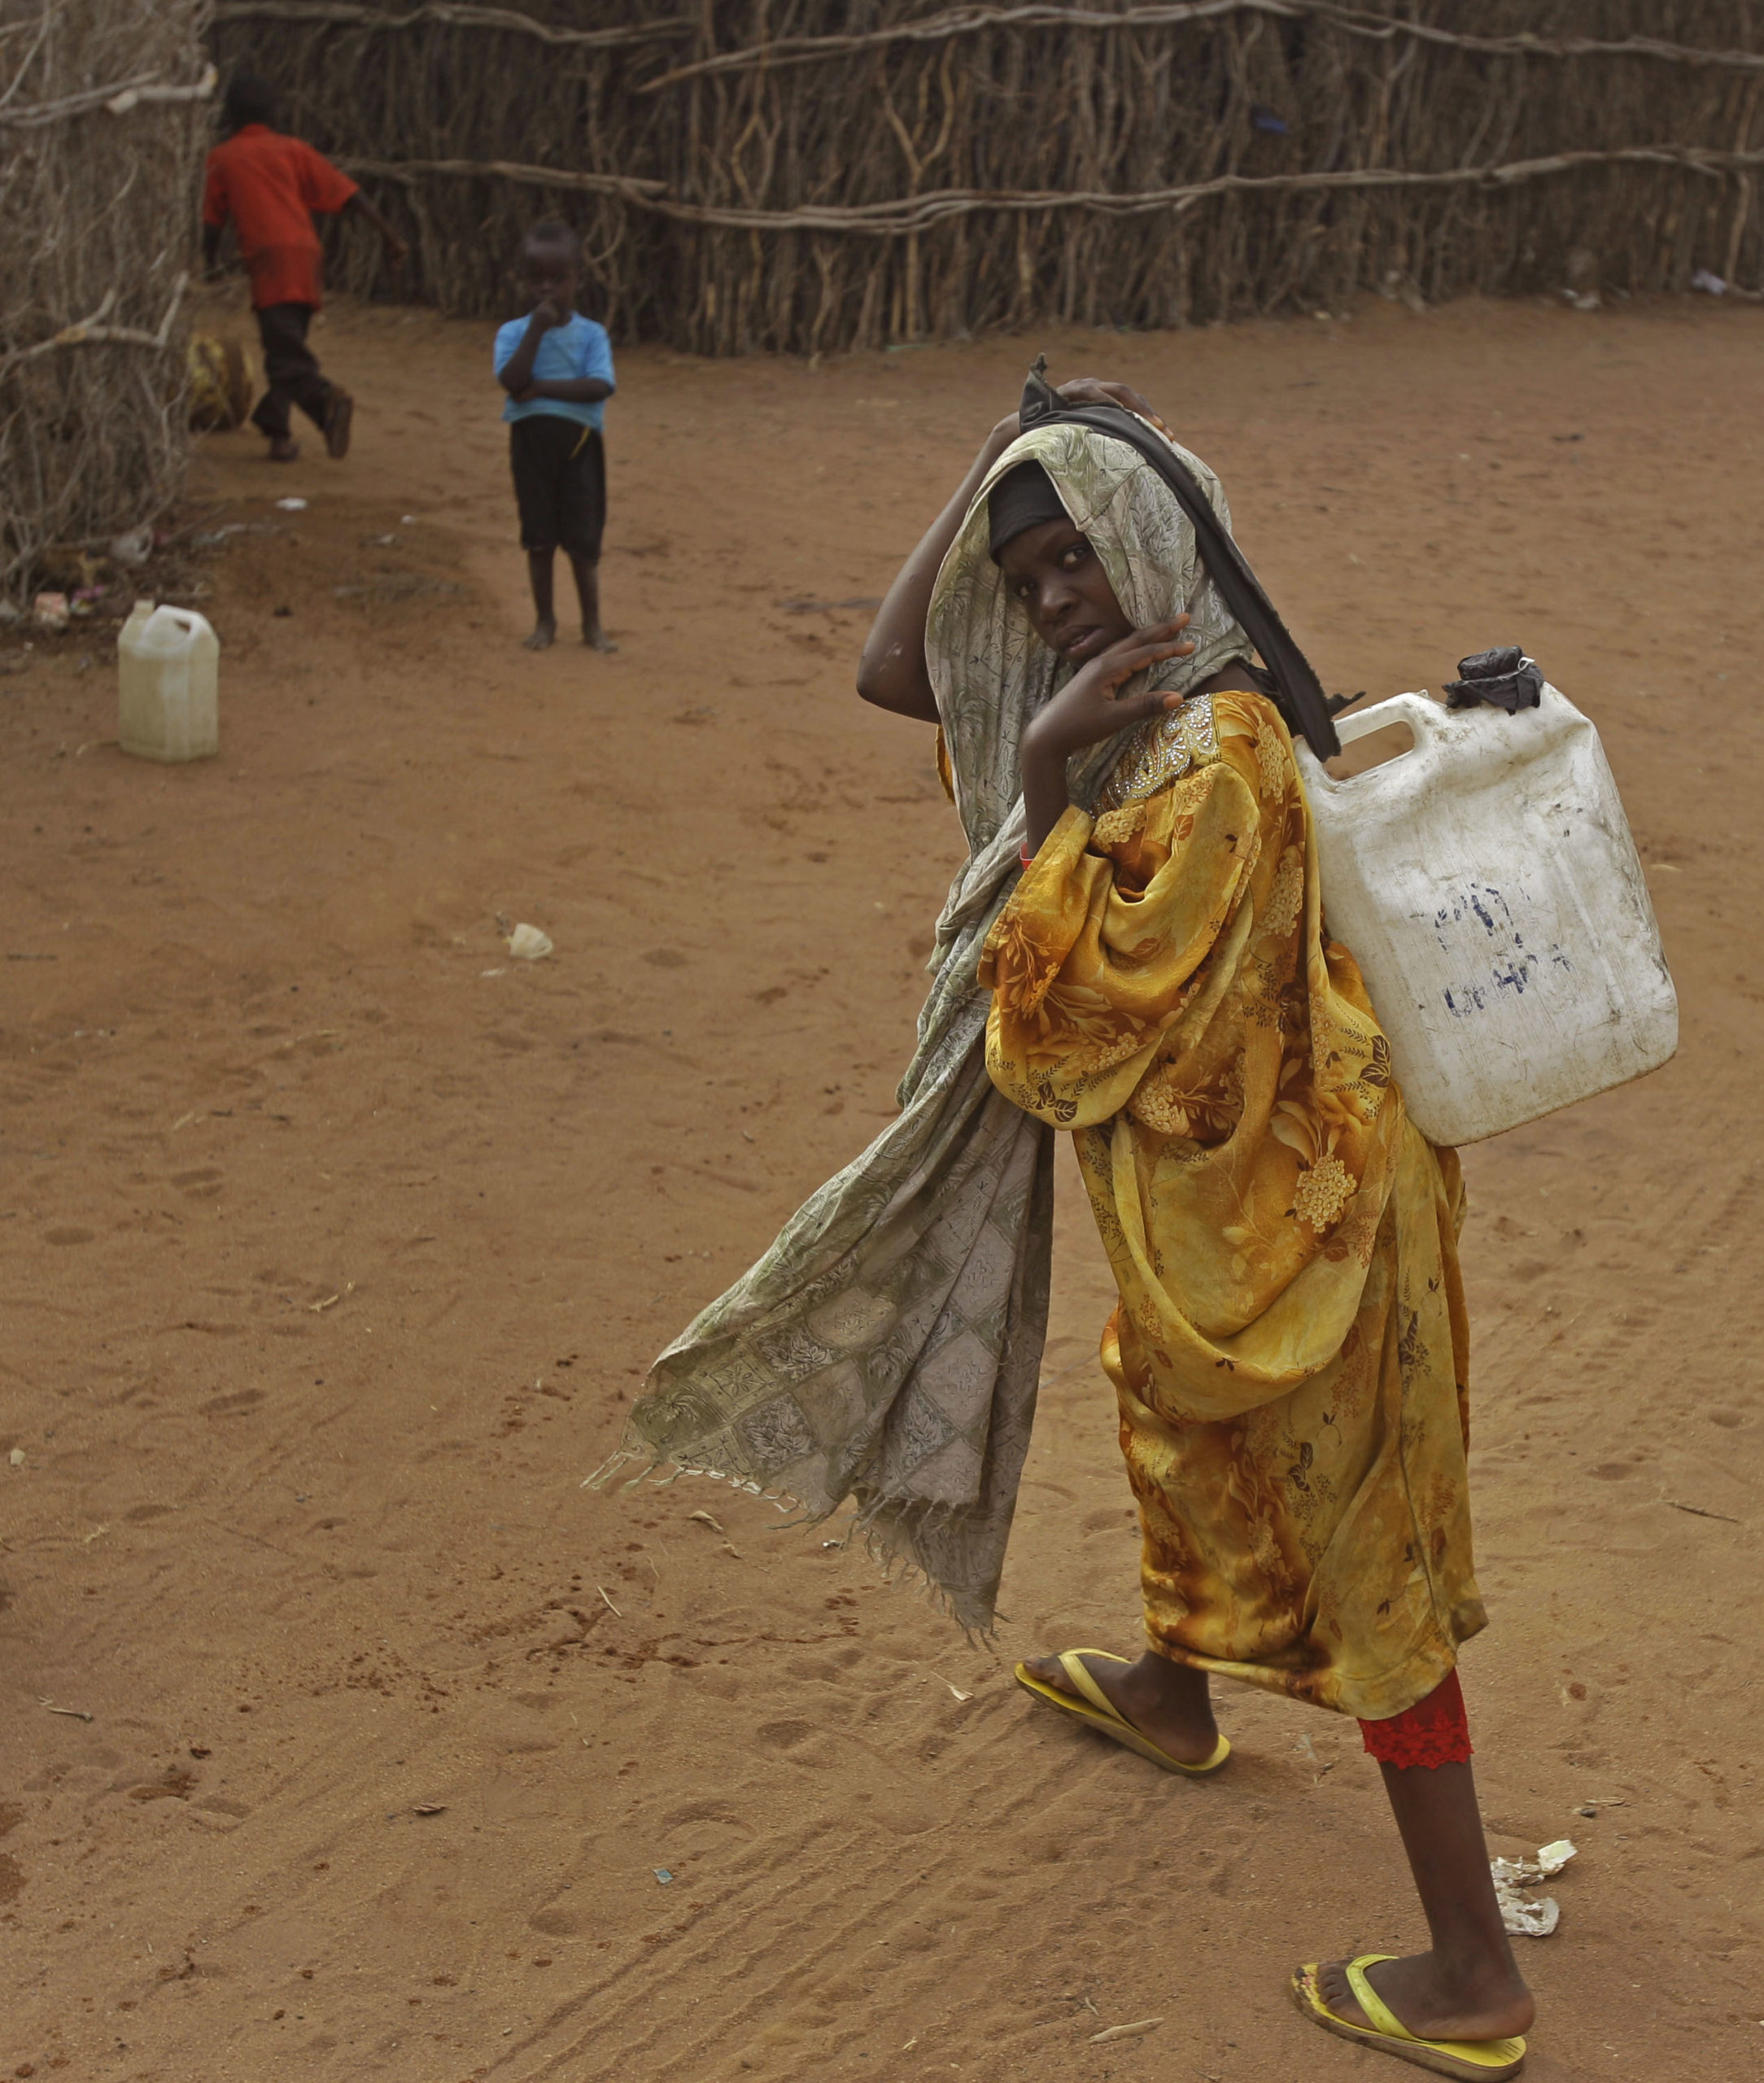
(1089, 708)
(1081, 391)
(1094, 390)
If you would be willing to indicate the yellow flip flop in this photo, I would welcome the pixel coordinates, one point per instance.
(1476, 2061)
(1094, 1710)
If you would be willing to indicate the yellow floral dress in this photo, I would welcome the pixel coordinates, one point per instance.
(1289, 1350)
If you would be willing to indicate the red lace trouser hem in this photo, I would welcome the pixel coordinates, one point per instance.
(1435, 1731)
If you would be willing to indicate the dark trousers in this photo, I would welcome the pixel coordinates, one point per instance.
(290, 369)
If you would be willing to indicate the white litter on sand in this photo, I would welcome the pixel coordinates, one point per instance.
(1520, 1912)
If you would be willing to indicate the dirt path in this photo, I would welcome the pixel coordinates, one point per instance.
(335, 1242)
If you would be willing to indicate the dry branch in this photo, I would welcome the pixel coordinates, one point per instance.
(442, 13)
(95, 332)
(410, 171)
(116, 99)
(972, 21)
(903, 216)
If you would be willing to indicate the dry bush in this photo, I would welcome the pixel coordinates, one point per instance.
(97, 216)
(912, 175)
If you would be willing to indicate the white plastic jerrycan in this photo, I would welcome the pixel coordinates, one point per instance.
(169, 666)
(1486, 883)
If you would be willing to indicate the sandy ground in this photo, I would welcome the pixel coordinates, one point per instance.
(336, 1242)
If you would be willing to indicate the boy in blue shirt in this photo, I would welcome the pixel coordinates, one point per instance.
(556, 367)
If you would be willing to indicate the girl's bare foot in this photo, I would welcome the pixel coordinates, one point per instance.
(1436, 1999)
(544, 634)
(1469, 1987)
(284, 449)
(1167, 1702)
(597, 639)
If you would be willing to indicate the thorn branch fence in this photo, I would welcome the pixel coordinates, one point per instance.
(810, 174)
(102, 126)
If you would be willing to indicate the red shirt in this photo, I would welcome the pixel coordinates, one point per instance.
(269, 186)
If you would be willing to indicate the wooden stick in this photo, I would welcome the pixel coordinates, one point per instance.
(974, 20)
(134, 97)
(95, 332)
(445, 13)
(118, 99)
(538, 176)
(902, 216)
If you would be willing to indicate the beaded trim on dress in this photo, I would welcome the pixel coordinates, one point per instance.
(1164, 750)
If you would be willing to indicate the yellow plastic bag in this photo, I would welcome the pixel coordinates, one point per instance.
(223, 381)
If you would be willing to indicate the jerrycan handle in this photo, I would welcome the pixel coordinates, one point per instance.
(187, 619)
(1422, 716)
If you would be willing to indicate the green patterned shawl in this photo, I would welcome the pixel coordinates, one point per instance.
(887, 1348)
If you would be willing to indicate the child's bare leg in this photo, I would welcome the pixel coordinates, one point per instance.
(538, 569)
(589, 593)
(1468, 1986)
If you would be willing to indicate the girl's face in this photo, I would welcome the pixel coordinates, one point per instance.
(1058, 581)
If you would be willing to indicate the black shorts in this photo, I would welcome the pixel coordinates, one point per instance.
(559, 484)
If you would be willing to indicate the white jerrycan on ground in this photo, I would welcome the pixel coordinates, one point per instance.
(168, 664)
(1486, 883)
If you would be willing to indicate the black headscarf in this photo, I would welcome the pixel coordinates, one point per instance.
(1023, 498)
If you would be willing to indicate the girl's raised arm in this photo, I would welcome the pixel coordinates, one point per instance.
(891, 671)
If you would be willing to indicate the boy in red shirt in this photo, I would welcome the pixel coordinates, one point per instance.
(269, 186)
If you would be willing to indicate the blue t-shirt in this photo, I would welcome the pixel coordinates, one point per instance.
(579, 348)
